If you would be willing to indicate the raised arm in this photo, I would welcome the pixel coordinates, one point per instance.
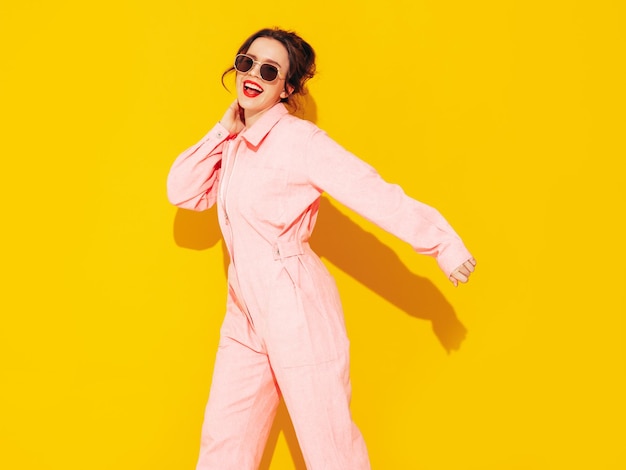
(193, 177)
(192, 181)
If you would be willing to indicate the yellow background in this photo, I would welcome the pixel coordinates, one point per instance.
(508, 116)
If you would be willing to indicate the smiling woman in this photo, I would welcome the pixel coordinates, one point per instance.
(284, 333)
(262, 66)
(258, 94)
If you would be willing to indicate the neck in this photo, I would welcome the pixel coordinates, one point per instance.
(253, 116)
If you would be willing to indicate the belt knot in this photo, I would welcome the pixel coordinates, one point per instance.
(284, 250)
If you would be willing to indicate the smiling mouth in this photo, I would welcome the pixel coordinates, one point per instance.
(251, 89)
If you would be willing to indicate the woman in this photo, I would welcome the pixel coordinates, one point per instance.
(283, 333)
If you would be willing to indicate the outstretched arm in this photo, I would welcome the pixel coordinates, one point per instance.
(356, 184)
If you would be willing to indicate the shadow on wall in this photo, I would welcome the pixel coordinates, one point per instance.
(342, 242)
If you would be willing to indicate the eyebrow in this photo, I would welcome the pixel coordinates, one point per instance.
(268, 61)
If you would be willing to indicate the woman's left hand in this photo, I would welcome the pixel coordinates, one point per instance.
(462, 273)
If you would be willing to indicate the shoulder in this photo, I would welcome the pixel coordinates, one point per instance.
(298, 124)
(301, 132)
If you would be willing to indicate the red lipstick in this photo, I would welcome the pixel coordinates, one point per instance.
(251, 89)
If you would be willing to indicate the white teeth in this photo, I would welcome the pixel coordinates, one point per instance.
(253, 87)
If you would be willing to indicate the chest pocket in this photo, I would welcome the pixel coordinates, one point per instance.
(263, 195)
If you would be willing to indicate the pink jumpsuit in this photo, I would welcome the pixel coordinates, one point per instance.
(283, 333)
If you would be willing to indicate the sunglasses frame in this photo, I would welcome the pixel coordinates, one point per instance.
(261, 65)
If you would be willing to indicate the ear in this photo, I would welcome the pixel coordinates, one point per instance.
(286, 93)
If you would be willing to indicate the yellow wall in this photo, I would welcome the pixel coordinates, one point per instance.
(508, 116)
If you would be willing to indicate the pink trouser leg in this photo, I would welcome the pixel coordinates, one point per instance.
(318, 400)
(244, 397)
(241, 407)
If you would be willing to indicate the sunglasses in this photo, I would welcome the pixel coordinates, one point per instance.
(244, 63)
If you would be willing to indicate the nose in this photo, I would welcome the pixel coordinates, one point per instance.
(255, 70)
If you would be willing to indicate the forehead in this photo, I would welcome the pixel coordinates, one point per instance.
(269, 50)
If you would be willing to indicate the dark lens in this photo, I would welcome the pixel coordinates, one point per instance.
(269, 72)
(243, 63)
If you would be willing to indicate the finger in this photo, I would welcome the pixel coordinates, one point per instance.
(463, 270)
(459, 276)
(468, 268)
(234, 108)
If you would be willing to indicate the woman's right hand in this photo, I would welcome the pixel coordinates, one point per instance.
(462, 273)
(233, 119)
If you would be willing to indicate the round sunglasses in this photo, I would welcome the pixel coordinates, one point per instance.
(268, 72)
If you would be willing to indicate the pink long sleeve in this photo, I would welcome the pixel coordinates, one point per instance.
(357, 185)
(193, 177)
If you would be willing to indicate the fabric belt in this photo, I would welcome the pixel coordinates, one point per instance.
(284, 250)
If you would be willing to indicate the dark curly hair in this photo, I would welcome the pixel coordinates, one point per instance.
(301, 58)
